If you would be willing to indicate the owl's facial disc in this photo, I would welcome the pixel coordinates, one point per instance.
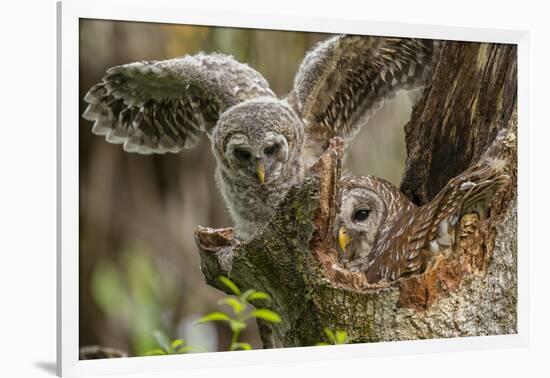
(257, 139)
(359, 218)
(260, 158)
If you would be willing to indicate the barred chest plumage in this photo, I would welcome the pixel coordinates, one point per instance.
(251, 205)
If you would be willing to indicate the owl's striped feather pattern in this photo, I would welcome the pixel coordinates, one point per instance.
(345, 79)
(420, 233)
(164, 106)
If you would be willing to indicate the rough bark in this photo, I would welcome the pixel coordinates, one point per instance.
(473, 292)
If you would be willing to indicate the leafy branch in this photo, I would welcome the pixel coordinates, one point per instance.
(240, 304)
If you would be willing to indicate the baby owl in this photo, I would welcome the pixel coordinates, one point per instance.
(263, 145)
(386, 236)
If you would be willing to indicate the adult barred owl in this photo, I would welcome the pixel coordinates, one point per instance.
(262, 144)
(383, 234)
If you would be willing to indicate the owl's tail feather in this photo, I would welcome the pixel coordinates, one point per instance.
(474, 188)
(486, 178)
(471, 191)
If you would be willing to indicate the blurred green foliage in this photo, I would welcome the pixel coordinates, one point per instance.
(239, 305)
(128, 292)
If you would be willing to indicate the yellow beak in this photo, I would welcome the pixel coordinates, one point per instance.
(260, 170)
(343, 239)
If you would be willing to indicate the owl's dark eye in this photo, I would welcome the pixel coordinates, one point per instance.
(361, 215)
(271, 149)
(242, 154)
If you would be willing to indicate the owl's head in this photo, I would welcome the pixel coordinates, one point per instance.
(368, 207)
(258, 140)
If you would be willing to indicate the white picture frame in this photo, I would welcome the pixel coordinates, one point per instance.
(69, 14)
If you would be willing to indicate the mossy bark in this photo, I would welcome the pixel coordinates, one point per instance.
(473, 292)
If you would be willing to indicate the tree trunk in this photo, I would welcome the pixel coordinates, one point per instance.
(473, 292)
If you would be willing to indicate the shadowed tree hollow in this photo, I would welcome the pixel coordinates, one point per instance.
(472, 292)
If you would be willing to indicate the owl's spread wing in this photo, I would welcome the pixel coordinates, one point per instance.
(163, 106)
(429, 230)
(406, 249)
(345, 79)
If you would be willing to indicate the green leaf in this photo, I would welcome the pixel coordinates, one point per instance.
(244, 296)
(258, 295)
(214, 316)
(330, 335)
(177, 344)
(243, 346)
(341, 337)
(162, 340)
(236, 325)
(155, 352)
(267, 315)
(229, 284)
(322, 344)
(237, 306)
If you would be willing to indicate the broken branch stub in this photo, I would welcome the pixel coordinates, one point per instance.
(284, 259)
